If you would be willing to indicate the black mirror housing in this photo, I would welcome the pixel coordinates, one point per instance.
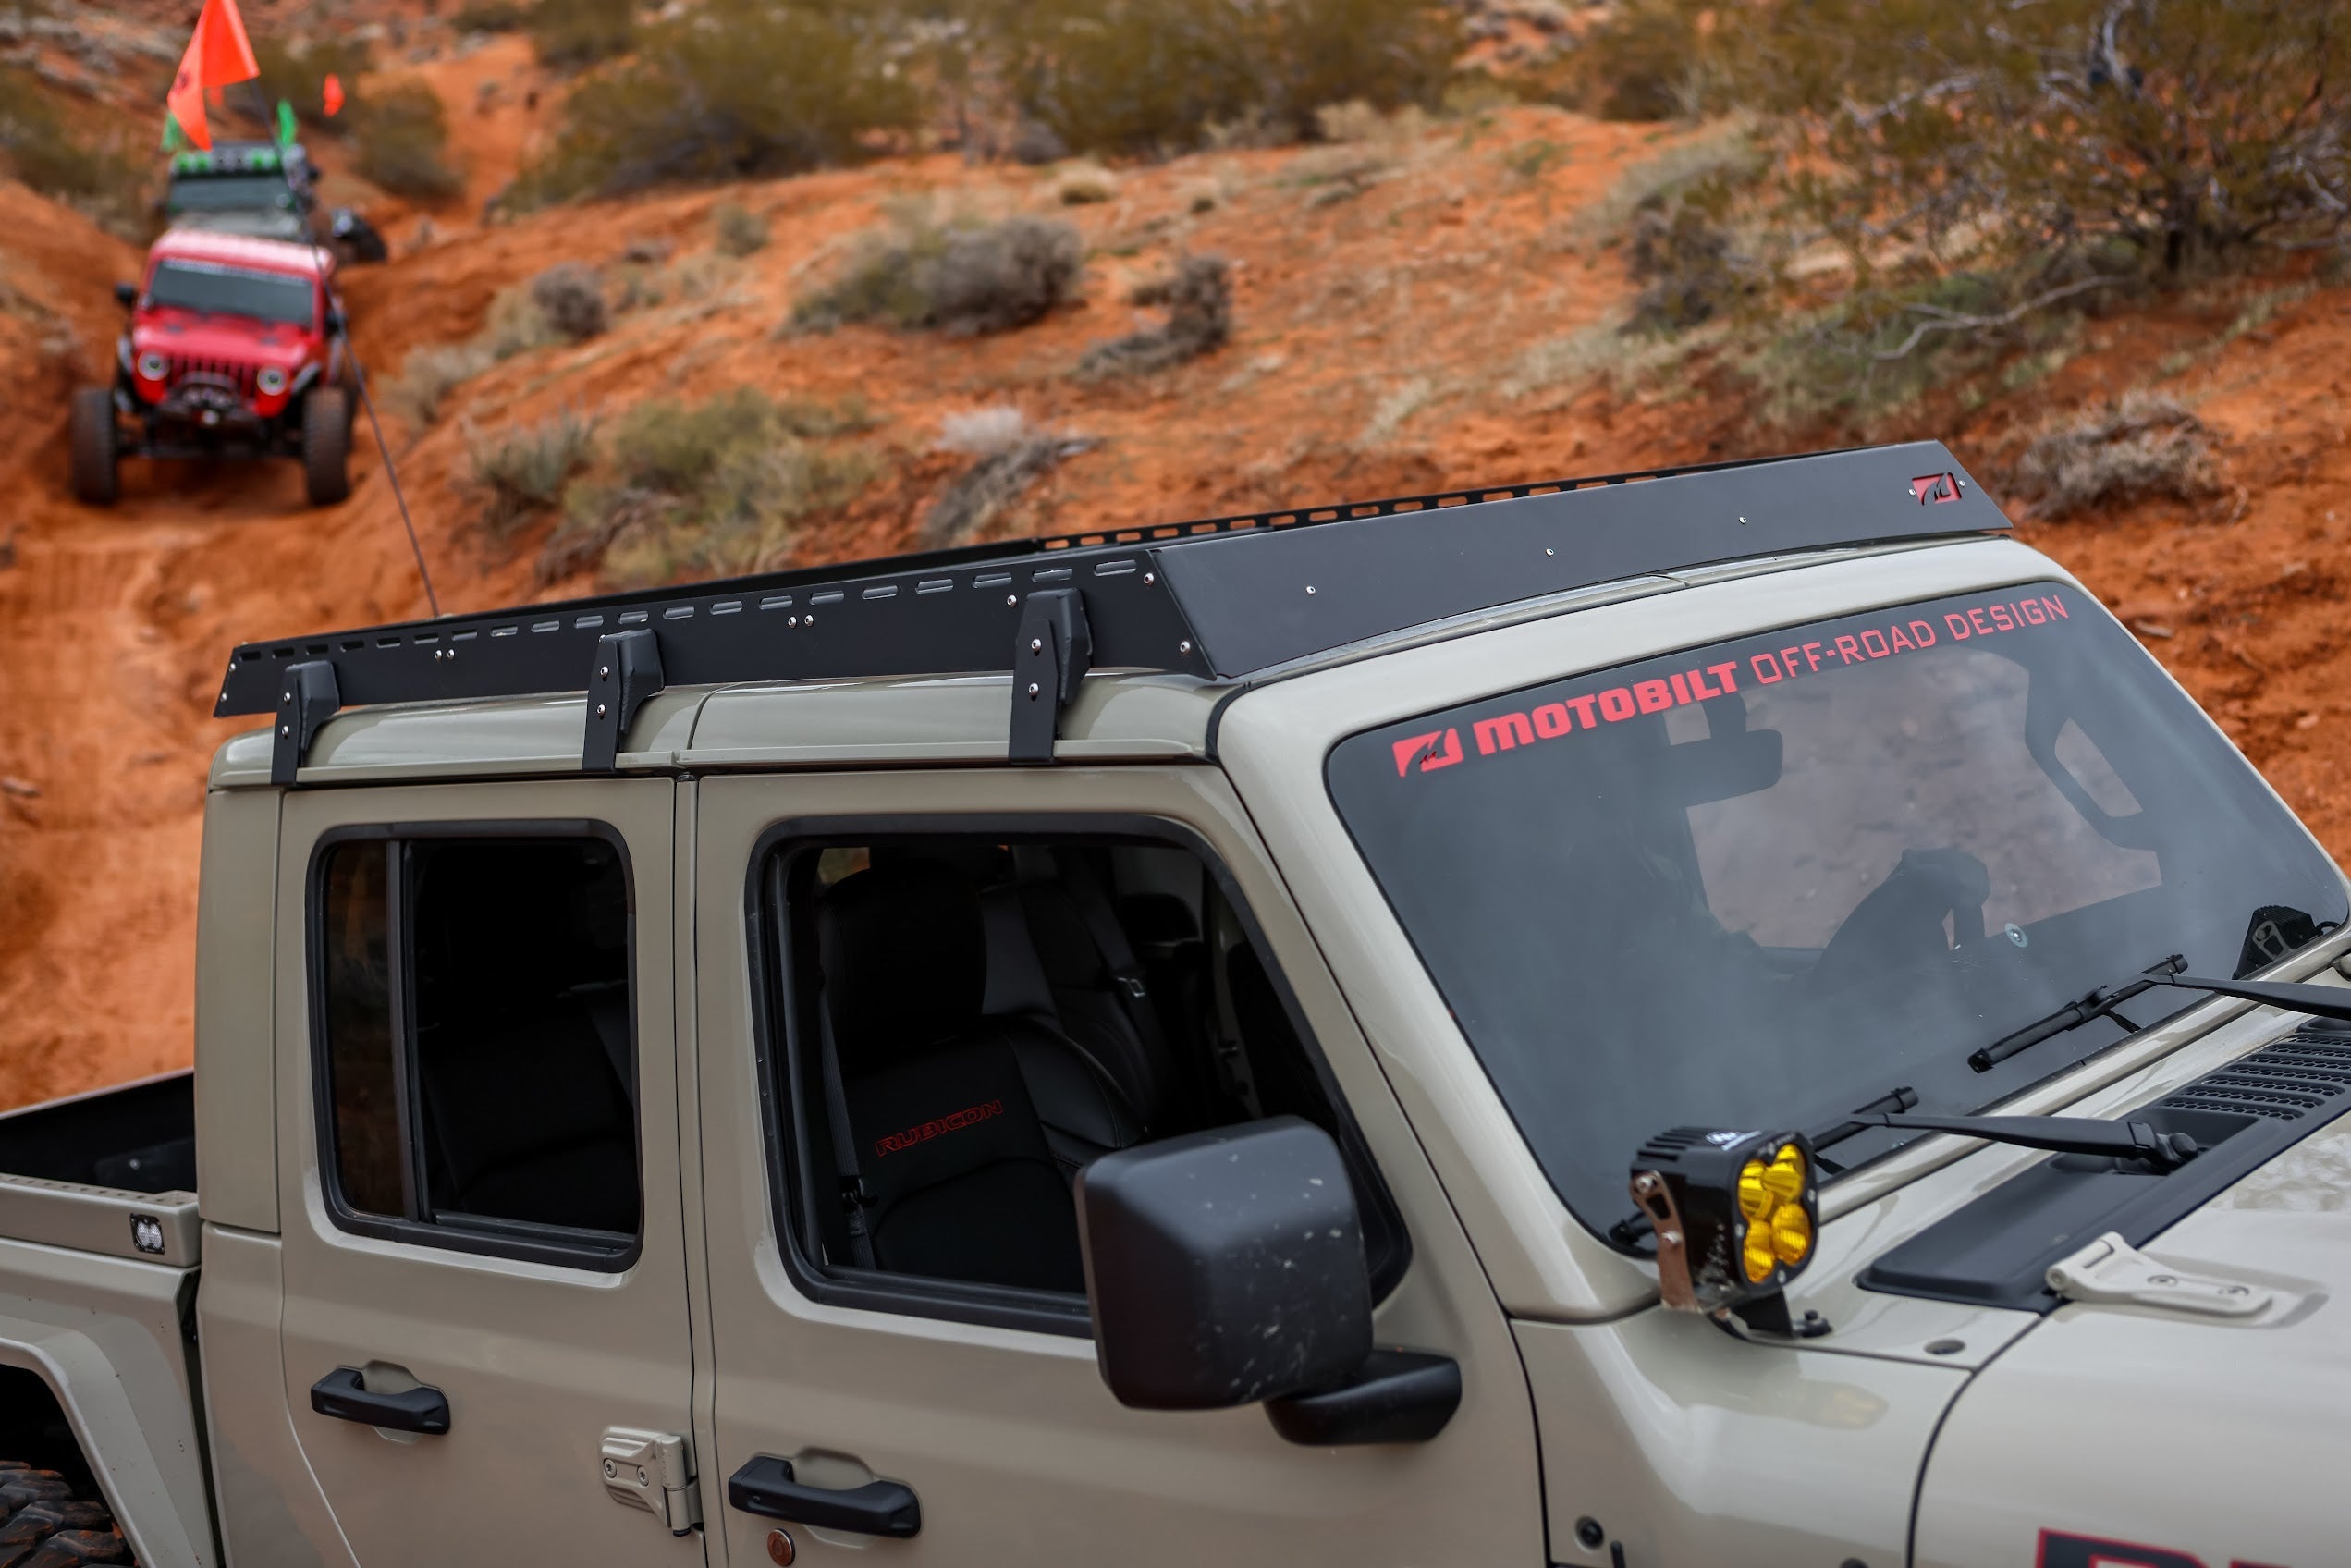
(1225, 1268)
(127, 294)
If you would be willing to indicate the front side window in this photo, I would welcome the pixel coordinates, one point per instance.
(959, 1022)
(1766, 882)
(263, 296)
(478, 1076)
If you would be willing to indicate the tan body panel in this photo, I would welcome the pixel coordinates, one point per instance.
(1015, 1449)
(535, 1359)
(103, 1333)
(236, 1056)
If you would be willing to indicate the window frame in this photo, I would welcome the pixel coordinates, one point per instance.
(775, 1007)
(523, 1240)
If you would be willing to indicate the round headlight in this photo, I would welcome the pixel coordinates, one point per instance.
(271, 380)
(151, 365)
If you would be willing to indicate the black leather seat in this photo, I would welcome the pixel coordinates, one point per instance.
(968, 1128)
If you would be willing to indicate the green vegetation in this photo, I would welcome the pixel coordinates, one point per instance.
(402, 137)
(704, 489)
(43, 150)
(959, 277)
(739, 232)
(570, 298)
(492, 16)
(1154, 76)
(295, 71)
(730, 90)
(520, 470)
(581, 32)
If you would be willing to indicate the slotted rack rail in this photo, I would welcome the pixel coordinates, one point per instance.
(1219, 598)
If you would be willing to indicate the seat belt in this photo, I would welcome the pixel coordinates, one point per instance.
(1110, 938)
(853, 1196)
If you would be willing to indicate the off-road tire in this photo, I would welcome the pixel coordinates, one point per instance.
(43, 1525)
(95, 481)
(326, 446)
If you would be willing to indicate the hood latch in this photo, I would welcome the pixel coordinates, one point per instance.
(2111, 1270)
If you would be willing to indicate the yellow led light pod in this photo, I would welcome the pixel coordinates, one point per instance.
(1735, 1216)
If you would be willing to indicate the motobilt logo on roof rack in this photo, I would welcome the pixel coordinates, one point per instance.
(1221, 598)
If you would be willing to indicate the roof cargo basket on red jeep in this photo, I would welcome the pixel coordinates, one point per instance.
(1221, 598)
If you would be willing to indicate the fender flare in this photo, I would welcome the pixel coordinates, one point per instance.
(91, 1392)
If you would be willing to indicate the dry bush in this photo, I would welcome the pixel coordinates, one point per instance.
(1007, 453)
(729, 89)
(402, 137)
(1688, 267)
(491, 16)
(1082, 184)
(1198, 298)
(1156, 77)
(429, 374)
(100, 180)
(956, 277)
(522, 470)
(740, 231)
(581, 32)
(699, 489)
(570, 297)
(295, 71)
(2144, 446)
(1648, 60)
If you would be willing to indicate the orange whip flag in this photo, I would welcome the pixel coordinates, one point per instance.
(331, 95)
(218, 55)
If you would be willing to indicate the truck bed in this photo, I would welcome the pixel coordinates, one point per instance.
(111, 1171)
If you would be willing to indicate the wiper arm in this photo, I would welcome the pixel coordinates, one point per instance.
(2062, 1134)
(2321, 1001)
(2099, 1004)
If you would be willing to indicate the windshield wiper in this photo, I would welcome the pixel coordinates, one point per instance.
(2100, 1003)
(2060, 1135)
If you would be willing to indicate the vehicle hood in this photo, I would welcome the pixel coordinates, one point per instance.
(2158, 1431)
(187, 334)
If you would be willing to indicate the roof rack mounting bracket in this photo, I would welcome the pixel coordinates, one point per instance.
(626, 672)
(1054, 650)
(307, 699)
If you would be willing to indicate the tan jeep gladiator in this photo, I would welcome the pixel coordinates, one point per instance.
(1726, 1016)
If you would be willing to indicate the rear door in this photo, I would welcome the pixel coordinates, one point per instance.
(984, 1403)
(485, 1268)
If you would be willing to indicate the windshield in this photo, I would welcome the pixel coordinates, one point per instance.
(1761, 883)
(228, 193)
(201, 285)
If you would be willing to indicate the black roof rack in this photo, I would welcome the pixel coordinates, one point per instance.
(1220, 597)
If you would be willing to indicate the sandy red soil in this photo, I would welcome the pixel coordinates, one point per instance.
(1381, 346)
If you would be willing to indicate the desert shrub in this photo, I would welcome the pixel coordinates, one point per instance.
(1007, 453)
(429, 374)
(1160, 75)
(581, 32)
(295, 71)
(1082, 184)
(570, 297)
(1198, 299)
(42, 150)
(740, 231)
(1685, 259)
(2143, 447)
(730, 90)
(718, 486)
(402, 137)
(2074, 137)
(957, 277)
(491, 16)
(1647, 60)
(520, 470)
(515, 325)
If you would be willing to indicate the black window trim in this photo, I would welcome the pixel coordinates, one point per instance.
(601, 1252)
(772, 992)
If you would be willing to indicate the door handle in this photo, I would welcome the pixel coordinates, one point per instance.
(342, 1395)
(766, 1487)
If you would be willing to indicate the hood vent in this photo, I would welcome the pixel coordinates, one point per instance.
(2285, 1082)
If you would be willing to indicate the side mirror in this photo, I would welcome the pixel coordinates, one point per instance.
(1227, 1267)
(127, 294)
(336, 326)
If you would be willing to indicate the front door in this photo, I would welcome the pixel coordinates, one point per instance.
(973, 980)
(485, 1269)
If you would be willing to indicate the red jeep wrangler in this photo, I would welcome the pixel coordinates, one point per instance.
(235, 351)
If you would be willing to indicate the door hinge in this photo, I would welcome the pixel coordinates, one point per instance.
(653, 1471)
(2111, 1270)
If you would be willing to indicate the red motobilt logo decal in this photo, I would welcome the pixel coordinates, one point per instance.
(1507, 731)
(2059, 1549)
(970, 1116)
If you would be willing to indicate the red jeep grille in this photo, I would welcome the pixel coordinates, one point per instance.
(237, 375)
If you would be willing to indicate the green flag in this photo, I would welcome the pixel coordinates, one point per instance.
(286, 130)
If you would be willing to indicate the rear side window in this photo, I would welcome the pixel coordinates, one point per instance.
(476, 1054)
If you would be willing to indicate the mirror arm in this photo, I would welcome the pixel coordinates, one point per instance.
(1396, 1396)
